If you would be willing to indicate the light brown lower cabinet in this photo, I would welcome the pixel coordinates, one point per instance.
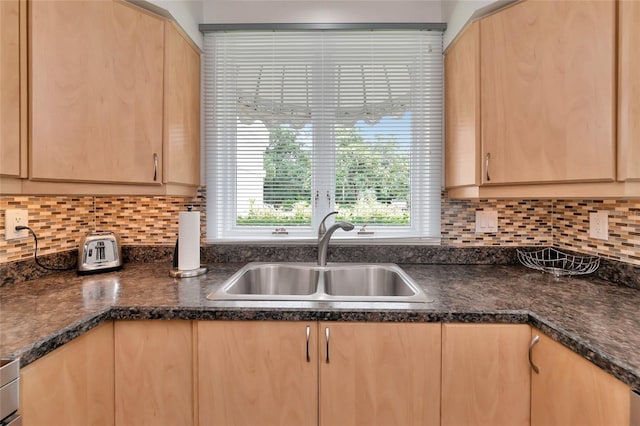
(154, 373)
(485, 374)
(73, 385)
(266, 373)
(379, 373)
(257, 373)
(569, 390)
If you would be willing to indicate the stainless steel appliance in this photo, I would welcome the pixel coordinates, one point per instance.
(10, 392)
(99, 252)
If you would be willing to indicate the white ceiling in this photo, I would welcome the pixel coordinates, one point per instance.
(190, 13)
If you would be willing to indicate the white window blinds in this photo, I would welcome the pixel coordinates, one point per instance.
(302, 123)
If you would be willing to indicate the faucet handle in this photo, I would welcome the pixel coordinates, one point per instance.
(322, 229)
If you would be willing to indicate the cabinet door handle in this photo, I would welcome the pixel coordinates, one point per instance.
(534, 342)
(155, 167)
(308, 334)
(486, 165)
(326, 335)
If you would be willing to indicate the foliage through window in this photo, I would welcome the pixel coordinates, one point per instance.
(299, 124)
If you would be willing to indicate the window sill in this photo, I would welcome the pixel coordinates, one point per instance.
(335, 241)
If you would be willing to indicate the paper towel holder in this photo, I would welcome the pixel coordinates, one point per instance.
(174, 272)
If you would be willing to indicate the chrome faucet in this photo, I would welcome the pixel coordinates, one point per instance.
(324, 235)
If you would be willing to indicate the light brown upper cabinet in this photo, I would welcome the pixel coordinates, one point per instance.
(462, 109)
(629, 91)
(531, 102)
(485, 374)
(181, 109)
(96, 94)
(12, 18)
(547, 73)
(568, 390)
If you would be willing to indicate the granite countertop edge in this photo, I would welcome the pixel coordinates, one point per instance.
(554, 326)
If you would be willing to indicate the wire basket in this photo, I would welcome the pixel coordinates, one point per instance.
(558, 263)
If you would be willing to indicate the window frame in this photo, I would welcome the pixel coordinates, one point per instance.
(233, 233)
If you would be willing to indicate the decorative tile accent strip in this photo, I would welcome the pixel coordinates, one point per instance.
(571, 228)
(520, 223)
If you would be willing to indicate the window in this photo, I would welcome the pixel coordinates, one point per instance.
(302, 123)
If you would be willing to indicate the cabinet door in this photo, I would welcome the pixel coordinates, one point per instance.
(257, 373)
(462, 109)
(181, 109)
(379, 374)
(73, 385)
(10, 88)
(153, 373)
(569, 390)
(629, 91)
(548, 92)
(485, 374)
(96, 92)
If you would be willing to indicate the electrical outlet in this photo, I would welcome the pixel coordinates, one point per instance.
(486, 221)
(13, 218)
(599, 225)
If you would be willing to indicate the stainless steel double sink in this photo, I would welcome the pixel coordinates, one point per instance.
(309, 282)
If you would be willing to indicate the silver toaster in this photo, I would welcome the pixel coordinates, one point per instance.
(99, 252)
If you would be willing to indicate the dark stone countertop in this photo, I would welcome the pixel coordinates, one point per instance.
(597, 319)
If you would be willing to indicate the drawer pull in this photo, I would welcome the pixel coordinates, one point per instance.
(155, 167)
(326, 335)
(486, 165)
(308, 334)
(534, 342)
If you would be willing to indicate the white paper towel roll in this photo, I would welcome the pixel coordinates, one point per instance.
(188, 241)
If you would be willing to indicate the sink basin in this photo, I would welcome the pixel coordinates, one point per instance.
(367, 281)
(309, 282)
(275, 279)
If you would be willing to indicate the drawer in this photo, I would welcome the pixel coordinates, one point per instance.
(9, 398)
(9, 370)
(15, 420)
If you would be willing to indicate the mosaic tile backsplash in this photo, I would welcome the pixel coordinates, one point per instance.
(520, 223)
(571, 228)
(60, 222)
(152, 221)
